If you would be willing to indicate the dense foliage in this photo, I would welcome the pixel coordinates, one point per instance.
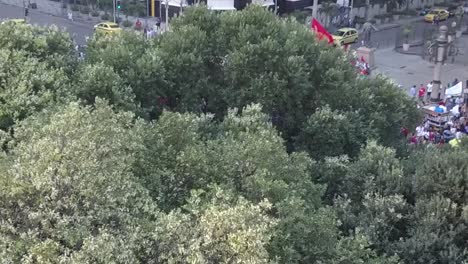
(235, 138)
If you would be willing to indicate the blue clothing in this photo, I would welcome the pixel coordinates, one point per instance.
(439, 109)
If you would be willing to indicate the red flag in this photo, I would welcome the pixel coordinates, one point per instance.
(322, 33)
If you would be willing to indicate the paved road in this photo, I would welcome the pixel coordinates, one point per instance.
(384, 38)
(79, 30)
(387, 38)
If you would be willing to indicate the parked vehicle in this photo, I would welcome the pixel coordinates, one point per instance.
(345, 36)
(16, 21)
(107, 28)
(442, 14)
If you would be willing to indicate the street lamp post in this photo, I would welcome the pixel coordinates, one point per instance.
(452, 32)
(366, 14)
(114, 4)
(167, 16)
(315, 9)
(440, 58)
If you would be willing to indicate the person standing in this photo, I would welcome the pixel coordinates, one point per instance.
(429, 90)
(421, 93)
(155, 29)
(149, 33)
(158, 23)
(138, 24)
(413, 91)
(145, 31)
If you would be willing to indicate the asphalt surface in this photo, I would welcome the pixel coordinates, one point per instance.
(76, 29)
(385, 38)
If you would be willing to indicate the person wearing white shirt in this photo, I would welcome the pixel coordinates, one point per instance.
(412, 91)
(429, 89)
(453, 130)
(420, 131)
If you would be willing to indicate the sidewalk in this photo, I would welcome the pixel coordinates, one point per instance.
(394, 24)
(408, 70)
(400, 22)
(55, 9)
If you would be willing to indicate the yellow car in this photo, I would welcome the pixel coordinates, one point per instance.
(345, 36)
(107, 28)
(442, 14)
(16, 21)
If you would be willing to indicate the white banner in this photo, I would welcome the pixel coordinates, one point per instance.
(454, 90)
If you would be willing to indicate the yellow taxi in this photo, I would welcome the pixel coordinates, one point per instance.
(345, 36)
(107, 28)
(16, 21)
(442, 14)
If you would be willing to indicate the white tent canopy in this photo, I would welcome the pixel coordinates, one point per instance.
(342, 2)
(177, 3)
(217, 4)
(221, 4)
(455, 90)
(263, 2)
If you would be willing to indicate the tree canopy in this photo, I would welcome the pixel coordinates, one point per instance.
(234, 138)
(233, 59)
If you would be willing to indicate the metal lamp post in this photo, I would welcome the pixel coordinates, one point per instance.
(167, 16)
(452, 32)
(114, 13)
(440, 58)
(315, 9)
(366, 14)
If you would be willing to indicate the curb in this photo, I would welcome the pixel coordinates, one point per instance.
(400, 50)
(390, 26)
(384, 27)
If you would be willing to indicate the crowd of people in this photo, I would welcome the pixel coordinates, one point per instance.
(425, 133)
(450, 130)
(149, 31)
(424, 92)
(361, 66)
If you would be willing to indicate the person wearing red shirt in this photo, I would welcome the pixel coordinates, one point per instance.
(413, 140)
(421, 93)
(138, 24)
(431, 136)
